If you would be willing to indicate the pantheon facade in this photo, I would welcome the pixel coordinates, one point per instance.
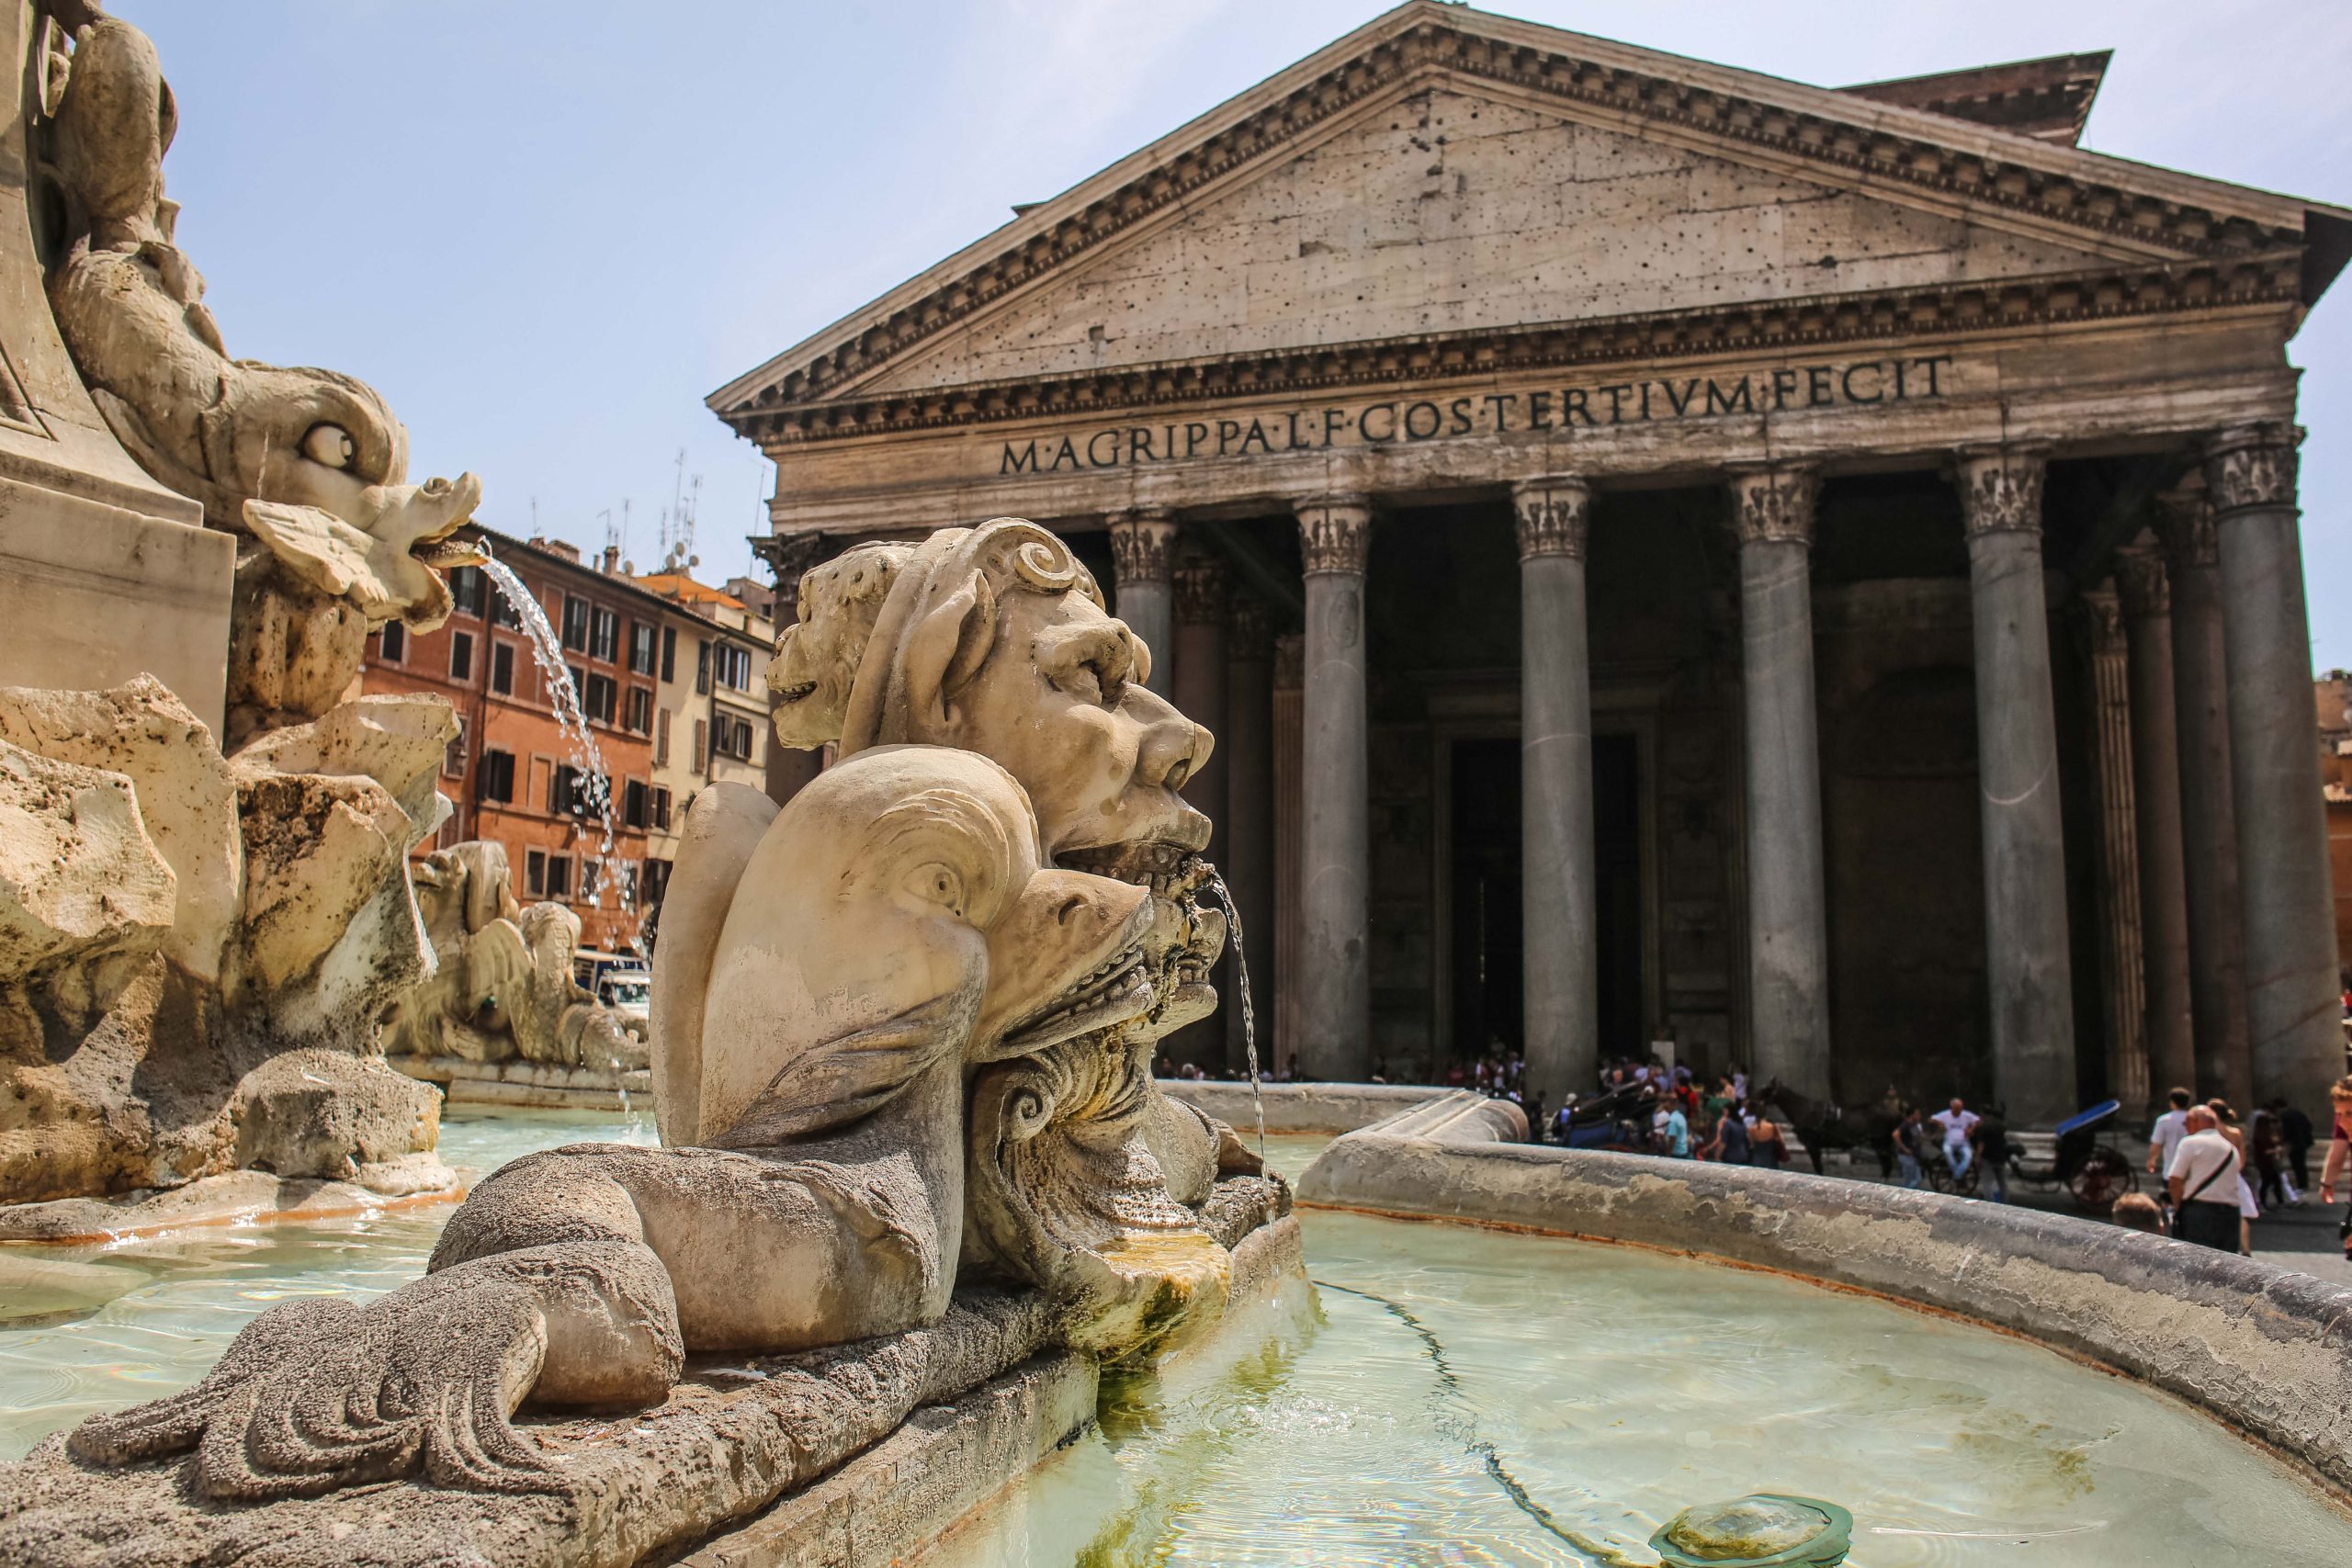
(1669, 553)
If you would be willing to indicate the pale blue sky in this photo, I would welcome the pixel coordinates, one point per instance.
(547, 230)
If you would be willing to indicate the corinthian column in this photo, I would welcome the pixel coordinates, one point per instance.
(2123, 958)
(2155, 799)
(2025, 857)
(1249, 862)
(1562, 972)
(1334, 976)
(1200, 676)
(1141, 541)
(1788, 953)
(2207, 801)
(2291, 1007)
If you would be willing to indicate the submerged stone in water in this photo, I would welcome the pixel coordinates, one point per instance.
(1758, 1529)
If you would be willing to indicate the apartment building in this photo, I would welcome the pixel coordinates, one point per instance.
(513, 775)
(711, 710)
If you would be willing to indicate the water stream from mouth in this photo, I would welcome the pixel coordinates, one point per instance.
(1248, 1010)
(555, 673)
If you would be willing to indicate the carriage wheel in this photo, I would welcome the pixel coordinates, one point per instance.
(2104, 1176)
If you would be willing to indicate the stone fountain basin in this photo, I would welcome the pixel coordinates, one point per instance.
(2266, 1349)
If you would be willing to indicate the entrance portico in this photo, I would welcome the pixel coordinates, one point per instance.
(1783, 420)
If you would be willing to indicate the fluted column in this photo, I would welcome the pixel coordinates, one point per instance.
(1200, 676)
(1787, 922)
(1249, 862)
(2156, 823)
(1559, 941)
(1290, 801)
(2208, 800)
(2292, 1011)
(2123, 976)
(1141, 544)
(1334, 977)
(2028, 969)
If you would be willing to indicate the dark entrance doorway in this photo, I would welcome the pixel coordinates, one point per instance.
(1488, 958)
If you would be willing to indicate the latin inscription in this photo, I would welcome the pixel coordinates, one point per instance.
(1862, 384)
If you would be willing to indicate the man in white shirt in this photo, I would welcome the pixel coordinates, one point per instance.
(2203, 1181)
(2166, 1136)
(1955, 1123)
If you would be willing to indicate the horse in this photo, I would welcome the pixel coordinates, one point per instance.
(1826, 1125)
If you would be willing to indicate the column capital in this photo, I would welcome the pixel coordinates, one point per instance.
(2252, 466)
(2102, 619)
(1140, 542)
(1250, 635)
(1201, 583)
(2141, 581)
(1774, 503)
(2000, 488)
(1335, 533)
(1289, 661)
(2185, 524)
(1554, 513)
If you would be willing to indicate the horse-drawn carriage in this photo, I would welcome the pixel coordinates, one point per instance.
(2095, 1173)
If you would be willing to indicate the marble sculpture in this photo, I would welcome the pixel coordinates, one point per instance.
(202, 932)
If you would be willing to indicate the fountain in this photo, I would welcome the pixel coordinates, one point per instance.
(920, 1222)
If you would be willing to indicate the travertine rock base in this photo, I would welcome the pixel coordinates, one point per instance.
(234, 1197)
(531, 1085)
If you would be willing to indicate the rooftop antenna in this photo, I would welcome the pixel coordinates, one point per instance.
(612, 535)
(535, 517)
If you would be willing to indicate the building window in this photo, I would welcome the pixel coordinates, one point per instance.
(559, 876)
(572, 792)
(503, 614)
(640, 709)
(661, 809)
(497, 780)
(598, 699)
(453, 755)
(637, 805)
(534, 873)
(644, 646)
(575, 623)
(461, 656)
(662, 738)
(395, 643)
(502, 668)
(604, 634)
(467, 586)
(579, 685)
(702, 667)
(734, 667)
(653, 879)
(669, 653)
(733, 739)
(701, 739)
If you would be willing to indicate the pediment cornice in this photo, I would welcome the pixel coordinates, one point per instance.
(2115, 208)
(1919, 316)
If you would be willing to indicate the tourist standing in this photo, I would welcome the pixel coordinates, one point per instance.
(2165, 1135)
(2339, 1156)
(1675, 1130)
(1768, 1148)
(1993, 1151)
(2295, 1129)
(2202, 1182)
(1955, 1123)
(1909, 1136)
(1730, 1144)
(2269, 1161)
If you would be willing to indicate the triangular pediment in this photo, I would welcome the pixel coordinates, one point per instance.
(1451, 209)
(1462, 172)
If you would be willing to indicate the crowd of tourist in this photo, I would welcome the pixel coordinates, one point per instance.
(2221, 1174)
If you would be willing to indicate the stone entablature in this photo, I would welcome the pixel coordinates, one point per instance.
(2093, 390)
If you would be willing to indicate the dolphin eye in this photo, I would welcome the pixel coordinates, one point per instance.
(329, 445)
(936, 882)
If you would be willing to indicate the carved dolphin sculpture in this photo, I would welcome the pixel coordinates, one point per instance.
(889, 928)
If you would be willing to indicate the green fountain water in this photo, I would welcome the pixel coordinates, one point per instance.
(1443, 1395)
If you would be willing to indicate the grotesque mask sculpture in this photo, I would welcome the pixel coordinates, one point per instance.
(892, 932)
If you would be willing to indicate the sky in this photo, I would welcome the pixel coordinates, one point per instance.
(545, 230)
